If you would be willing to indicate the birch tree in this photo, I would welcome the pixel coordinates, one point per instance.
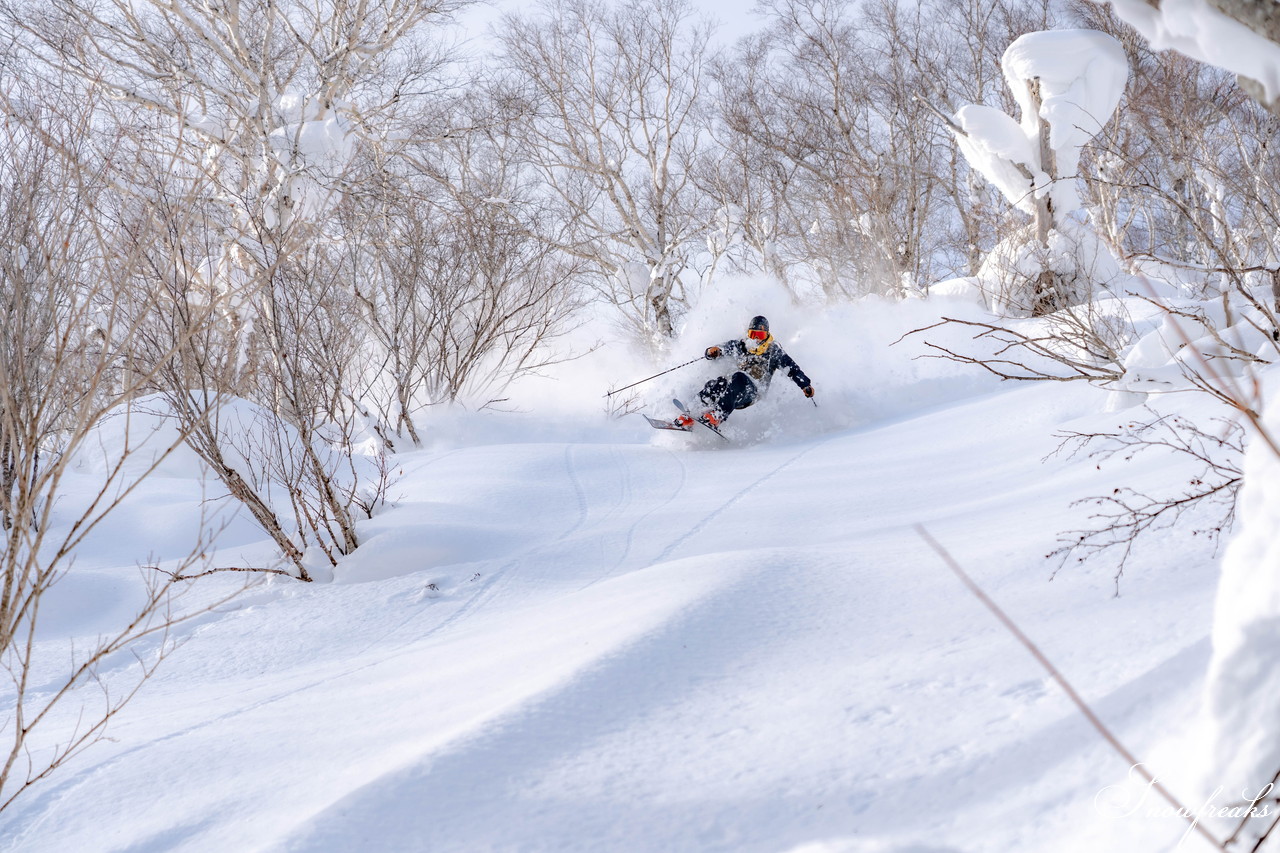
(458, 296)
(832, 149)
(613, 113)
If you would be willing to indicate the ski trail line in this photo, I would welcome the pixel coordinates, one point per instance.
(499, 579)
(581, 496)
(629, 540)
(490, 585)
(715, 513)
(399, 648)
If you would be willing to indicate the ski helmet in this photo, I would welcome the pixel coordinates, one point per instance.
(758, 325)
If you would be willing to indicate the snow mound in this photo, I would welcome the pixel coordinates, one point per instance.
(135, 438)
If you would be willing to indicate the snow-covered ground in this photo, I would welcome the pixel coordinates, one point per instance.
(579, 635)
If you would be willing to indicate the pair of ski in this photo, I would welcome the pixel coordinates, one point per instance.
(660, 424)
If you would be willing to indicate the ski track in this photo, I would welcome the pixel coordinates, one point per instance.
(629, 538)
(496, 580)
(487, 591)
(499, 579)
(578, 493)
(741, 493)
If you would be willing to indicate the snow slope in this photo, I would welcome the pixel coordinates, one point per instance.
(652, 642)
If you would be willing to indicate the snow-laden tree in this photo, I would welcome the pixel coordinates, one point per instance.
(1184, 175)
(271, 96)
(1242, 695)
(955, 51)
(610, 105)
(1067, 84)
(1242, 36)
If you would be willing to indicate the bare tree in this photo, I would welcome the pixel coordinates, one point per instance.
(1127, 515)
(459, 296)
(1077, 343)
(795, 100)
(612, 111)
(70, 319)
(835, 171)
(251, 116)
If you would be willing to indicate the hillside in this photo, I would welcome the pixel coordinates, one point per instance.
(655, 642)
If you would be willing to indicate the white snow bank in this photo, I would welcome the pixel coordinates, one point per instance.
(134, 438)
(728, 640)
(1243, 690)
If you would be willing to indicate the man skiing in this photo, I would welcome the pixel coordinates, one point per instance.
(756, 356)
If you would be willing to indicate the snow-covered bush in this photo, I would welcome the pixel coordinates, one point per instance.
(1236, 36)
(1081, 264)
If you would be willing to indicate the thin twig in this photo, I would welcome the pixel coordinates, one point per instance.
(179, 576)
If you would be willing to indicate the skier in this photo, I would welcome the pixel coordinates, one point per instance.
(757, 356)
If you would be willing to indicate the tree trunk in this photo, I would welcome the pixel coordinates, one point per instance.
(1048, 296)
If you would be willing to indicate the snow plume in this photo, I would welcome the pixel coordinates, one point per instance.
(848, 351)
(1081, 75)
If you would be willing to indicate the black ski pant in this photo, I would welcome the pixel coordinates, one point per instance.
(725, 395)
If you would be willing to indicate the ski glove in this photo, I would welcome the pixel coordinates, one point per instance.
(808, 390)
(713, 352)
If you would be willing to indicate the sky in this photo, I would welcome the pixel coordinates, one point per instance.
(732, 19)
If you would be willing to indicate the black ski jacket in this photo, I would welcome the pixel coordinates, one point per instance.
(760, 367)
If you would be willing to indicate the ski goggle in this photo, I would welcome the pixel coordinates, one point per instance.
(757, 334)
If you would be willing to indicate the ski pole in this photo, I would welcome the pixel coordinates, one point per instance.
(654, 376)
